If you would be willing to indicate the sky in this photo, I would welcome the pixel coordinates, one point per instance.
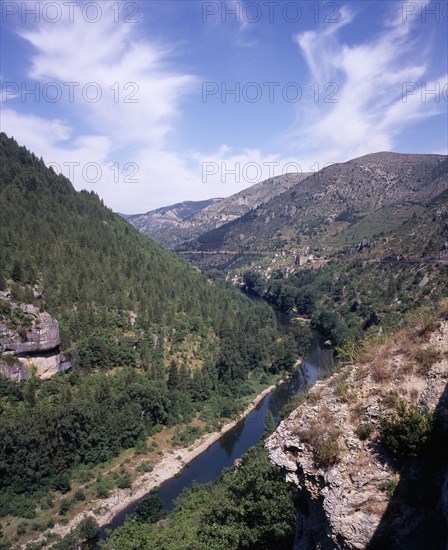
(150, 102)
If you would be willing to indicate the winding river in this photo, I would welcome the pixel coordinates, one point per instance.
(234, 443)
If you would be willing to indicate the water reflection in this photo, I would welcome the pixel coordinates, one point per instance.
(223, 453)
(229, 440)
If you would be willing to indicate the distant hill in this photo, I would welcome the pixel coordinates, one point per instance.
(343, 203)
(167, 216)
(211, 216)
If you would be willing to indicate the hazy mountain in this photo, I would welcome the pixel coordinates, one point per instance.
(342, 203)
(167, 216)
(212, 215)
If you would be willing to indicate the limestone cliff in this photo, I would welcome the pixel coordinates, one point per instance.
(352, 492)
(29, 337)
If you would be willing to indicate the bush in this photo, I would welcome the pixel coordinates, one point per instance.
(124, 482)
(389, 487)
(89, 528)
(84, 475)
(150, 510)
(405, 433)
(61, 483)
(64, 506)
(144, 467)
(426, 358)
(80, 495)
(327, 450)
(17, 505)
(22, 528)
(102, 491)
(364, 430)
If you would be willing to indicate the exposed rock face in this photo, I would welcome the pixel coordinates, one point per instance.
(342, 502)
(30, 337)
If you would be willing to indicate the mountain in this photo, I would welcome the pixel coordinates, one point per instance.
(343, 203)
(159, 220)
(152, 341)
(219, 212)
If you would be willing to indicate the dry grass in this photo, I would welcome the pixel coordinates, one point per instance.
(426, 358)
(322, 435)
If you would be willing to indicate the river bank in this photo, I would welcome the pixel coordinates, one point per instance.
(169, 465)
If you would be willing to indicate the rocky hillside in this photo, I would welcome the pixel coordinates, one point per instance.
(364, 449)
(221, 211)
(28, 338)
(342, 203)
(163, 218)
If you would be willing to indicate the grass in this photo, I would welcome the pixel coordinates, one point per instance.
(323, 437)
(426, 358)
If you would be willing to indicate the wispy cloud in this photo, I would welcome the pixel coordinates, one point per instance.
(370, 76)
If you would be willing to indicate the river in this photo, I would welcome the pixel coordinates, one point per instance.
(234, 443)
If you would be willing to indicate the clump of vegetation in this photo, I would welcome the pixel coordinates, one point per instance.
(389, 487)
(88, 528)
(80, 495)
(9, 359)
(186, 436)
(150, 510)
(406, 431)
(426, 358)
(293, 403)
(342, 387)
(144, 467)
(364, 430)
(323, 436)
(424, 322)
(64, 506)
(124, 482)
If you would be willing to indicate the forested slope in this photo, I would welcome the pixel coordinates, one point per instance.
(153, 341)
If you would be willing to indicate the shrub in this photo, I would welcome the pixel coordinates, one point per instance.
(426, 358)
(341, 388)
(102, 491)
(150, 509)
(124, 482)
(64, 506)
(389, 487)
(364, 430)
(144, 467)
(405, 433)
(83, 476)
(61, 483)
(89, 528)
(327, 450)
(323, 437)
(80, 495)
(22, 528)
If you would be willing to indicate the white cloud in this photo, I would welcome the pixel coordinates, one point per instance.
(109, 133)
(370, 111)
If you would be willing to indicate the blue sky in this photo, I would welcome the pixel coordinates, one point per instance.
(134, 99)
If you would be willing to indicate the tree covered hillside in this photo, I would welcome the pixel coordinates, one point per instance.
(154, 342)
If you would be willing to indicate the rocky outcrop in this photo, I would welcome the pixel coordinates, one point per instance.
(330, 448)
(29, 338)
